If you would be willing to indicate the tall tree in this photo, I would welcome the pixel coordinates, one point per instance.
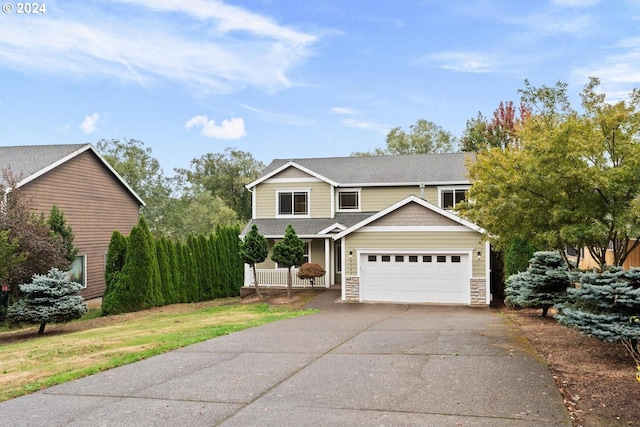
(424, 137)
(571, 182)
(254, 250)
(224, 175)
(135, 163)
(501, 131)
(288, 253)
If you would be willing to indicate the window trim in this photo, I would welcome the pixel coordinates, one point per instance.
(307, 192)
(358, 192)
(442, 190)
(83, 278)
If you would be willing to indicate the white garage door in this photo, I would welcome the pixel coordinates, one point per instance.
(437, 278)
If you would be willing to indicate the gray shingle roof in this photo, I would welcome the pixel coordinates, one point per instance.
(304, 226)
(416, 168)
(27, 160)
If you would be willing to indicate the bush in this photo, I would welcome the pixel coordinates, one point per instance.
(310, 271)
(50, 298)
(543, 285)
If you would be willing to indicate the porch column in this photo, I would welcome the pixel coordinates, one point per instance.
(327, 263)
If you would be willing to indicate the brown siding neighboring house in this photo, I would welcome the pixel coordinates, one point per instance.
(93, 197)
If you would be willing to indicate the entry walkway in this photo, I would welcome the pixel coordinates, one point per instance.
(349, 365)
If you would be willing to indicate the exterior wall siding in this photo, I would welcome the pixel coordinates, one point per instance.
(435, 240)
(378, 198)
(317, 254)
(319, 197)
(94, 203)
(413, 215)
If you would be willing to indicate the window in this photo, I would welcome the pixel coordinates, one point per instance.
(426, 258)
(455, 258)
(413, 258)
(338, 254)
(293, 203)
(450, 198)
(386, 258)
(78, 270)
(399, 258)
(441, 258)
(349, 200)
(372, 258)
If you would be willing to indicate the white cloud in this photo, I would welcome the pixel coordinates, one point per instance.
(88, 125)
(464, 62)
(229, 128)
(343, 111)
(367, 125)
(208, 46)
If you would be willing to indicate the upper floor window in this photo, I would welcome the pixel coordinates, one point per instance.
(451, 197)
(293, 203)
(349, 200)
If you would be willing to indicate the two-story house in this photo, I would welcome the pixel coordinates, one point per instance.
(383, 227)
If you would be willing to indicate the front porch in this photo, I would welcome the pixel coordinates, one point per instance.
(277, 278)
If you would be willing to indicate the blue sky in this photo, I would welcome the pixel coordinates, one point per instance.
(292, 78)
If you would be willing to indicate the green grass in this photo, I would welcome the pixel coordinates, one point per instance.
(42, 361)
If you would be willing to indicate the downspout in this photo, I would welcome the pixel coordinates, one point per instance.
(422, 191)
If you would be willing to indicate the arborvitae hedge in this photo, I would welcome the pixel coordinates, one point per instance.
(143, 272)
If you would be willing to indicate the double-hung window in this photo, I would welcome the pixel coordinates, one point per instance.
(292, 203)
(349, 200)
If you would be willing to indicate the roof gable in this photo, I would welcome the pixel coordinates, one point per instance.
(32, 161)
(290, 164)
(432, 213)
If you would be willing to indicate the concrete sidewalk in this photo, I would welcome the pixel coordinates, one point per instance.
(350, 365)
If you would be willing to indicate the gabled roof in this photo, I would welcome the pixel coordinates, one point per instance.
(433, 169)
(28, 162)
(403, 202)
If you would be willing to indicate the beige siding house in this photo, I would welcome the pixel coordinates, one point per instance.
(383, 227)
(93, 197)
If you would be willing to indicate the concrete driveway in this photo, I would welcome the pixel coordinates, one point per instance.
(350, 365)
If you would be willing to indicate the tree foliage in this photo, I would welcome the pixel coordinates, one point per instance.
(570, 182)
(482, 134)
(254, 250)
(604, 304)
(50, 298)
(423, 137)
(135, 163)
(40, 250)
(224, 176)
(62, 231)
(287, 253)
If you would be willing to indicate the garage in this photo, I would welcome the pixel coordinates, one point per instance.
(415, 277)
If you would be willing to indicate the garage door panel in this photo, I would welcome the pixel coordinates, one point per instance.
(400, 280)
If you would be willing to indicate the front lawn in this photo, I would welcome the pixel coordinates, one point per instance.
(31, 362)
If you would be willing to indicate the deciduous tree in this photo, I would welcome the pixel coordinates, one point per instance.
(424, 137)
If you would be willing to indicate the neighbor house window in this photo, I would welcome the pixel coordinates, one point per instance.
(293, 203)
(78, 270)
(349, 200)
(451, 197)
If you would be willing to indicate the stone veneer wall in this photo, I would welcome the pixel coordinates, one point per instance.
(478, 292)
(352, 289)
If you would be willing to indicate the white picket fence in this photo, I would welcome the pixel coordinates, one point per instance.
(277, 278)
